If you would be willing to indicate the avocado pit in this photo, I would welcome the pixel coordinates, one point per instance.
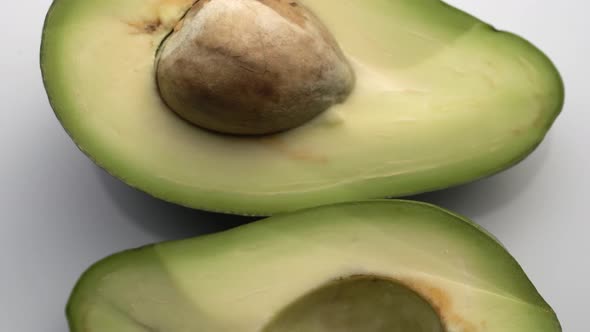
(360, 303)
(251, 67)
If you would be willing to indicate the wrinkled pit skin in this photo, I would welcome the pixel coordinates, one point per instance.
(251, 67)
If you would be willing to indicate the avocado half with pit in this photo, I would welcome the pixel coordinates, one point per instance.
(371, 266)
(264, 106)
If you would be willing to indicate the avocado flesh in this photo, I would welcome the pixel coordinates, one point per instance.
(441, 99)
(318, 270)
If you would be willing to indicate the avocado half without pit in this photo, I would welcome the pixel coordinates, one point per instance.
(372, 266)
(258, 107)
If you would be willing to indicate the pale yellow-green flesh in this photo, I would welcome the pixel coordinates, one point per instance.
(441, 99)
(256, 277)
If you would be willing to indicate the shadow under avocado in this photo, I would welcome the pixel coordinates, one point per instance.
(167, 220)
(476, 199)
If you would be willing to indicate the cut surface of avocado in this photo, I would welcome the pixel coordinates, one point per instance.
(371, 266)
(440, 99)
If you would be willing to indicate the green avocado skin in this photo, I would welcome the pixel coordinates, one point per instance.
(435, 177)
(193, 284)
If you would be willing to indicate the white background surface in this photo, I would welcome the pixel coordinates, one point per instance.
(59, 213)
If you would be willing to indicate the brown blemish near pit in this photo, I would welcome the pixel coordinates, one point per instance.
(298, 154)
(152, 23)
(442, 302)
(145, 26)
